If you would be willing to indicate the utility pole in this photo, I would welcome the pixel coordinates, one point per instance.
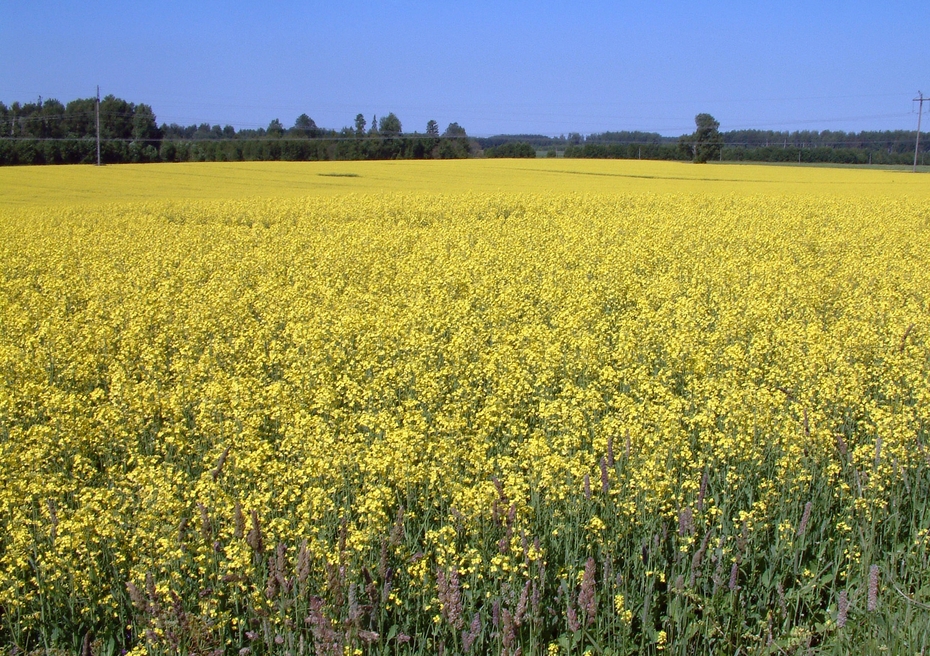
(920, 98)
(98, 125)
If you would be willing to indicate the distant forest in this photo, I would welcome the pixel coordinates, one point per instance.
(808, 146)
(49, 132)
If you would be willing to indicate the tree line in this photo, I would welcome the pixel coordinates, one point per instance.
(807, 146)
(50, 132)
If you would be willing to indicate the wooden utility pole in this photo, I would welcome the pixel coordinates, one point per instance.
(920, 98)
(98, 125)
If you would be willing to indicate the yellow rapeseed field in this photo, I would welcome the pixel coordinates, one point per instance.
(472, 406)
(45, 186)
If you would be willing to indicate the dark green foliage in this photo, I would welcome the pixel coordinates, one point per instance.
(454, 130)
(888, 141)
(662, 151)
(389, 126)
(711, 583)
(116, 118)
(48, 132)
(627, 137)
(51, 133)
(305, 127)
(514, 149)
(538, 141)
(275, 129)
(144, 127)
(706, 141)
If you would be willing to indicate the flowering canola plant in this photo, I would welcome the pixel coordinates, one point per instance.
(547, 422)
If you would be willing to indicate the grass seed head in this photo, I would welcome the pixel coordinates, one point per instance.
(872, 600)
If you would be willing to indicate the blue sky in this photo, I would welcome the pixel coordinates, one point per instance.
(493, 67)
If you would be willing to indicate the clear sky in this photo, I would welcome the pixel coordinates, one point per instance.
(494, 67)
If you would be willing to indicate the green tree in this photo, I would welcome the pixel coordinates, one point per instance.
(305, 126)
(80, 118)
(455, 130)
(432, 129)
(50, 121)
(275, 129)
(360, 124)
(389, 125)
(144, 126)
(116, 118)
(706, 142)
(512, 149)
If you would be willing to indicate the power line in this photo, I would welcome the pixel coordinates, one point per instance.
(100, 112)
(853, 140)
(63, 117)
(377, 137)
(38, 116)
(893, 147)
(500, 109)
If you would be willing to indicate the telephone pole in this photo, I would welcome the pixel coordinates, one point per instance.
(920, 98)
(98, 125)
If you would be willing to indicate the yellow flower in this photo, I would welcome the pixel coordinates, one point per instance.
(619, 603)
(200, 383)
(595, 525)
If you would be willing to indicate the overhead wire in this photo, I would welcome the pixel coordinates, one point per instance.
(680, 128)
